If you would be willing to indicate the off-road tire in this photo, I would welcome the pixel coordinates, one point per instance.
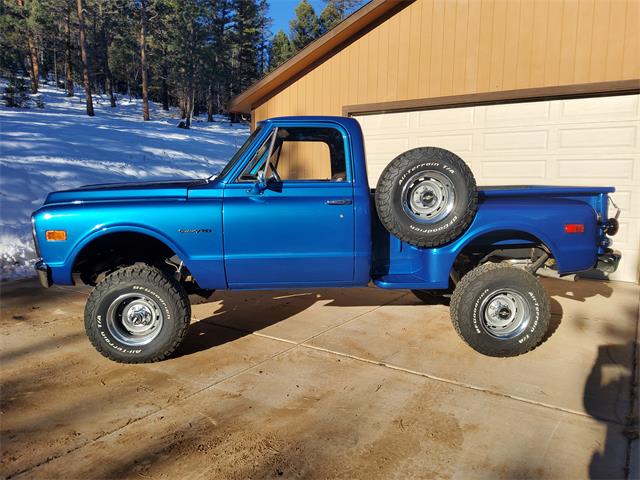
(389, 193)
(477, 288)
(170, 297)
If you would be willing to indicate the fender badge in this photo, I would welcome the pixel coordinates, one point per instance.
(194, 230)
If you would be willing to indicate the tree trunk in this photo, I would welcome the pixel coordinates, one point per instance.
(164, 86)
(112, 97)
(84, 50)
(143, 59)
(189, 107)
(68, 66)
(106, 40)
(164, 89)
(55, 67)
(34, 65)
(209, 105)
(183, 106)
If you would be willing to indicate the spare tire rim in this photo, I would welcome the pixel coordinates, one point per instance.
(134, 319)
(505, 314)
(428, 196)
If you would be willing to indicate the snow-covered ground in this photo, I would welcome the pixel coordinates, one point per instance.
(60, 147)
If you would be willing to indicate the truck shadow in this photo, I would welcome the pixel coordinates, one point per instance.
(579, 290)
(232, 315)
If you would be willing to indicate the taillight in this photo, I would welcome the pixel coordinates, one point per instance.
(574, 228)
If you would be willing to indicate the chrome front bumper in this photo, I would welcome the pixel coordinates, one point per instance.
(44, 274)
(608, 261)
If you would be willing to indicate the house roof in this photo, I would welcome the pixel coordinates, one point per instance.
(316, 52)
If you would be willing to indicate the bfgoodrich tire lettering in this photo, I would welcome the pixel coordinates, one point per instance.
(137, 314)
(426, 196)
(492, 290)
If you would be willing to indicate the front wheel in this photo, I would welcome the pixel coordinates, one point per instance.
(500, 310)
(137, 314)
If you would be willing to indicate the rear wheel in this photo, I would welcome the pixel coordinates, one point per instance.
(500, 310)
(426, 196)
(137, 314)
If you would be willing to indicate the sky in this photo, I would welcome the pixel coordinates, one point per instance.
(281, 11)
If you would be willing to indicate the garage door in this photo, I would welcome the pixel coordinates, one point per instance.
(588, 141)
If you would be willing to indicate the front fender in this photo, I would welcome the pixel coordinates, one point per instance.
(191, 229)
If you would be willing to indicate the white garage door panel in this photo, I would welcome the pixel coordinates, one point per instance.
(588, 141)
(609, 137)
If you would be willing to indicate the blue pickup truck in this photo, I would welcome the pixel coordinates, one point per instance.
(294, 209)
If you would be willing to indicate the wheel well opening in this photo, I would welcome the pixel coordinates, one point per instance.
(522, 249)
(116, 250)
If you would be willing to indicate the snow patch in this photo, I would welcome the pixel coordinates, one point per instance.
(59, 147)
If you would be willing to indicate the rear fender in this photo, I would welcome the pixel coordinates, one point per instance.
(537, 219)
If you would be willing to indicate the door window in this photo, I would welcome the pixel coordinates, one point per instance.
(300, 154)
(250, 173)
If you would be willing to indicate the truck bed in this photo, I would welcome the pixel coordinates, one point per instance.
(527, 215)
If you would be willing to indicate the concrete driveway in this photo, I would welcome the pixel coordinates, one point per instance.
(358, 383)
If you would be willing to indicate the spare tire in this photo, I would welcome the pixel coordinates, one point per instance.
(426, 196)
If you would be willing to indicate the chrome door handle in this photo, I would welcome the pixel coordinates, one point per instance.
(342, 201)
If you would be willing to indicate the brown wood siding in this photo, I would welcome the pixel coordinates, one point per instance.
(437, 48)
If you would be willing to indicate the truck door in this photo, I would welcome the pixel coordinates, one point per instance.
(294, 228)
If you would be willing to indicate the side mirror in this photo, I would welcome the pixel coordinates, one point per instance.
(261, 182)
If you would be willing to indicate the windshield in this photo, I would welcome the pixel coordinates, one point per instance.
(238, 154)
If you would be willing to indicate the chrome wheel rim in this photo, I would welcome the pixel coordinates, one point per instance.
(134, 319)
(505, 314)
(428, 196)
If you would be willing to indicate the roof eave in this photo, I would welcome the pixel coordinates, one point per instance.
(313, 53)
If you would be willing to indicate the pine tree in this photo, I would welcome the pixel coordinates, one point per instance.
(264, 27)
(216, 56)
(330, 17)
(50, 27)
(84, 49)
(248, 33)
(281, 50)
(305, 27)
(143, 59)
(68, 62)
(12, 38)
(346, 7)
(194, 54)
(114, 20)
(160, 60)
(187, 37)
(28, 11)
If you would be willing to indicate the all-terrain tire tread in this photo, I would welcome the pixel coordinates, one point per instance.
(472, 277)
(383, 200)
(141, 273)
